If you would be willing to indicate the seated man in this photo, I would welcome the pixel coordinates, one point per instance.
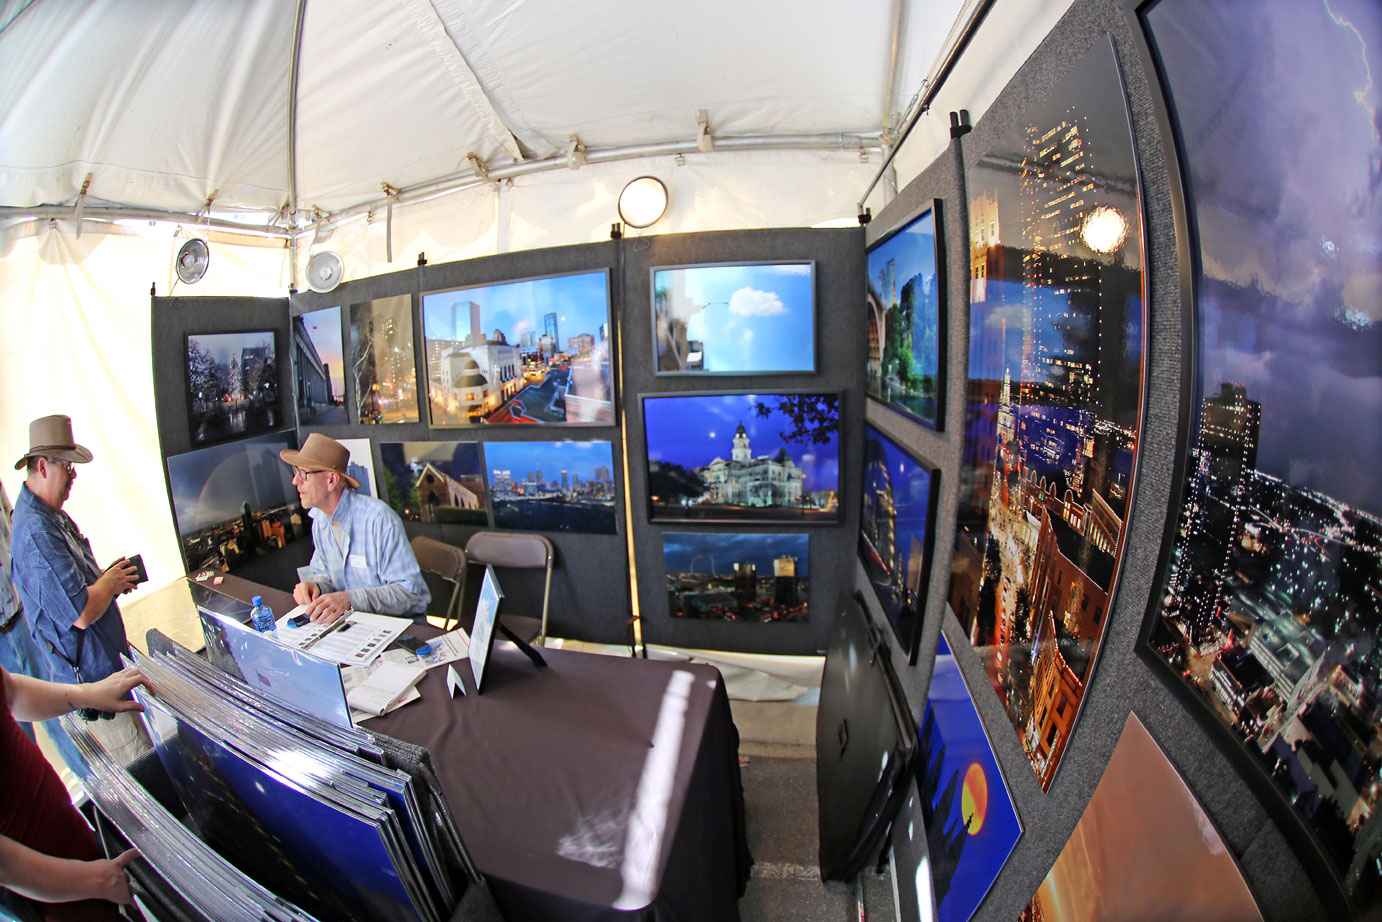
(47, 852)
(361, 559)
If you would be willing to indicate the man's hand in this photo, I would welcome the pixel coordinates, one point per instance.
(305, 592)
(325, 609)
(120, 576)
(110, 693)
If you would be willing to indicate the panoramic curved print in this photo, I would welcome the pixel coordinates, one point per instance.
(1052, 406)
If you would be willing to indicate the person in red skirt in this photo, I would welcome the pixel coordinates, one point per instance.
(49, 860)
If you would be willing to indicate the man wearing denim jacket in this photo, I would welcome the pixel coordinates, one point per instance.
(361, 560)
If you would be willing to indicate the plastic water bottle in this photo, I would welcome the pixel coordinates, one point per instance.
(263, 617)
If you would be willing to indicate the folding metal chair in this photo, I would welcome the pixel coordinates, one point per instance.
(517, 551)
(446, 563)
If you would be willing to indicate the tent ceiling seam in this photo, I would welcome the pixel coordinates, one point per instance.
(434, 31)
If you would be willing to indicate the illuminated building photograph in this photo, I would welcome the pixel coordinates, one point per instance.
(906, 336)
(735, 319)
(1053, 399)
(434, 481)
(743, 457)
(1271, 606)
(232, 385)
(526, 352)
(381, 359)
(895, 526)
(319, 367)
(732, 576)
(971, 826)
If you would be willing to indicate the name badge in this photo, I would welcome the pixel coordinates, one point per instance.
(358, 561)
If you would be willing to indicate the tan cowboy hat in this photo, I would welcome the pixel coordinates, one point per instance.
(51, 437)
(320, 453)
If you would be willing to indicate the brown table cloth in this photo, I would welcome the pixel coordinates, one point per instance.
(598, 788)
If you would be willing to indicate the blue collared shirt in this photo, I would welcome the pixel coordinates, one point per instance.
(52, 566)
(362, 548)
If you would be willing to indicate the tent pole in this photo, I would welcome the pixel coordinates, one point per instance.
(293, 146)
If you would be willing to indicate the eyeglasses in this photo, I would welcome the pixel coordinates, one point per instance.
(305, 474)
(62, 463)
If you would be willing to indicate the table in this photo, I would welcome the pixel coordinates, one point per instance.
(598, 788)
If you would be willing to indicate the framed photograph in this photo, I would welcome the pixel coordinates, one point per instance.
(736, 576)
(361, 465)
(735, 319)
(319, 367)
(381, 359)
(552, 486)
(905, 285)
(971, 825)
(435, 482)
(530, 351)
(896, 524)
(1053, 401)
(482, 629)
(235, 502)
(744, 457)
(232, 385)
(1267, 615)
(1145, 846)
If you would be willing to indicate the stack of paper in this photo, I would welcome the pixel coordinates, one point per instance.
(379, 689)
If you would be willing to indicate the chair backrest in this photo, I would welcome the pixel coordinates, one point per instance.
(520, 551)
(447, 562)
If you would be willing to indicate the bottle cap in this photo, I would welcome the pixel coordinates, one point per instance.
(257, 600)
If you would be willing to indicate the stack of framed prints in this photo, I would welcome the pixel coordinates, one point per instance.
(338, 834)
(1268, 616)
(1053, 401)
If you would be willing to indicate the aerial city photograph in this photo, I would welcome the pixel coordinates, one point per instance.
(1272, 606)
(1053, 400)
(535, 352)
(736, 576)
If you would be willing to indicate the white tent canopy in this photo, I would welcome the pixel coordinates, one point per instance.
(183, 112)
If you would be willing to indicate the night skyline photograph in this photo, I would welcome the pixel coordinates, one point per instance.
(895, 527)
(434, 481)
(552, 486)
(736, 576)
(903, 301)
(1269, 609)
(734, 319)
(533, 351)
(1053, 399)
(971, 825)
(744, 456)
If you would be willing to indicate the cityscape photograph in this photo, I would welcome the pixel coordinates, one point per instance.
(1271, 609)
(235, 502)
(1143, 849)
(232, 385)
(905, 333)
(744, 457)
(319, 367)
(434, 481)
(1053, 399)
(552, 486)
(534, 352)
(895, 523)
(736, 576)
(361, 465)
(743, 319)
(381, 360)
(971, 826)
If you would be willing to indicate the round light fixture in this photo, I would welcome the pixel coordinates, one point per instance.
(643, 202)
(1104, 229)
